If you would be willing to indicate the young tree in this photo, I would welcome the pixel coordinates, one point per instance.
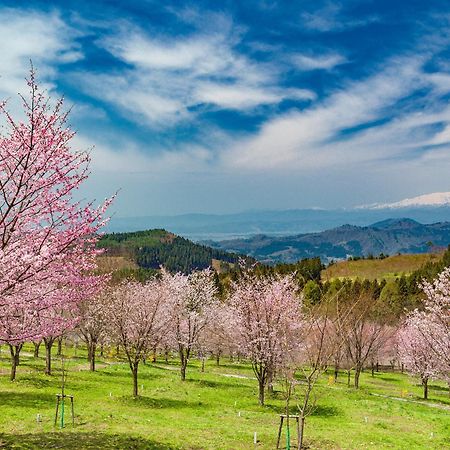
(47, 239)
(363, 326)
(191, 299)
(266, 314)
(415, 353)
(92, 325)
(137, 317)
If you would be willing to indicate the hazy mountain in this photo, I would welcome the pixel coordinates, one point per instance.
(389, 236)
(274, 223)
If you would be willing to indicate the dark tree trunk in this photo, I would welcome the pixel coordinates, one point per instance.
(91, 355)
(357, 374)
(15, 352)
(60, 342)
(336, 372)
(218, 359)
(183, 372)
(166, 356)
(373, 369)
(134, 371)
(184, 358)
(36, 349)
(154, 355)
(301, 431)
(349, 375)
(48, 355)
(101, 350)
(261, 385)
(425, 388)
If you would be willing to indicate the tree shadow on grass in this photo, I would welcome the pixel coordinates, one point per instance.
(158, 403)
(215, 384)
(436, 387)
(26, 399)
(319, 410)
(78, 441)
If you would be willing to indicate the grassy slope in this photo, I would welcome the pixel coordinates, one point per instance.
(378, 268)
(202, 413)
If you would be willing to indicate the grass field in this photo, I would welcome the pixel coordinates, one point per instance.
(216, 409)
(387, 268)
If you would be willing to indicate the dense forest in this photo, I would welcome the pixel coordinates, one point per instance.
(154, 248)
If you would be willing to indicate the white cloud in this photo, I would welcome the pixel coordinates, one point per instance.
(43, 38)
(169, 77)
(321, 62)
(312, 138)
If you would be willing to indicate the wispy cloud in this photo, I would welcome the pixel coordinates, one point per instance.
(168, 77)
(318, 62)
(41, 37)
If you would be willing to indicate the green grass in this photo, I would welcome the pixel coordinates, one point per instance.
(203, 412)
(388, 268)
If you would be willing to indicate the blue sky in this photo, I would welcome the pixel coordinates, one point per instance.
(226, 106)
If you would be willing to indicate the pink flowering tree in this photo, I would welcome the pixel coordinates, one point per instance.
(434, 322)
(92, 326)
(266, 315)
(191, 299)
(414, 352)
(137, 317)
(47, 239)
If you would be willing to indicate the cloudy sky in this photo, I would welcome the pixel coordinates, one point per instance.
(228, 106)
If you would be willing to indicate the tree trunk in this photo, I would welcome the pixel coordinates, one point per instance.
(91, 351)
(135, 379)
(425, 388)
(218, 359)
(183, 371)
(166, 356)
(203, 363)
(184, 358)
(101, 350)
(60, 342)
(36, 349)
(270, 382)
(48, 355)
(373, 369)
(261, 385)
(349, 375)
(357, 374)
(15, 352)
(301, 431)
(154, 355)
(336, 372)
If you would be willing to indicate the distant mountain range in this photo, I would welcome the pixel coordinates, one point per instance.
(199, 227)
(389, 237)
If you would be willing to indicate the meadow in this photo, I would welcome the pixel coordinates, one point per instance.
(388, 268)
(214, 409)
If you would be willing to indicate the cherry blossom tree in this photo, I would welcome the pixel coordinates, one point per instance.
(47, 238)
(267, 317)
(92, 324)
(137, 317)
(191, 298)
(415, 353)
(434, 322)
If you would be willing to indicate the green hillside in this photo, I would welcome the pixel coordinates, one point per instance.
(371, 269)
(154, 248)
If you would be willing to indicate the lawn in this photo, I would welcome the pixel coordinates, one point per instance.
(216, 409)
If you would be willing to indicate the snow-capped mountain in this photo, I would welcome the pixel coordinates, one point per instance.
(436, 199)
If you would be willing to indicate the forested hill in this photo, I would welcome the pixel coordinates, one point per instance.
(154, 248)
